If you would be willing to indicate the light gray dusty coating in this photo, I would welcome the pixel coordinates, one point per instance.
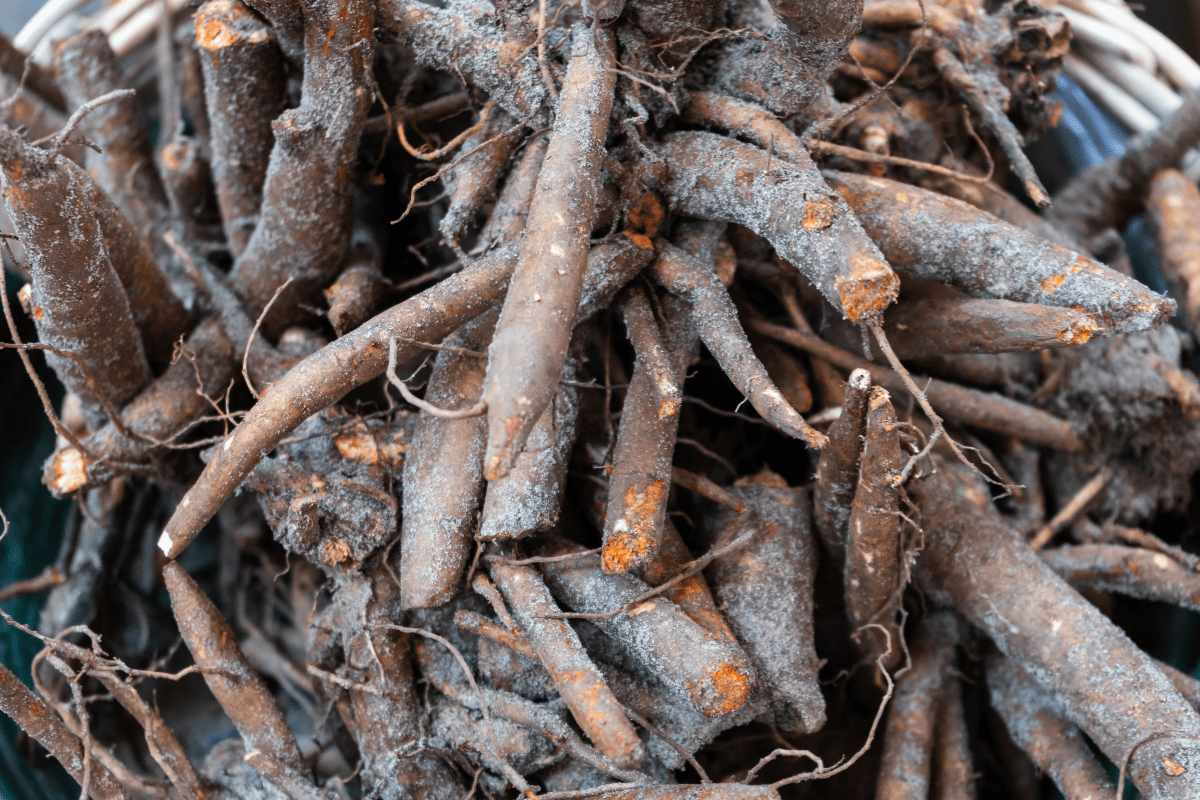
(387, 716)
(1104, 683)
(641, 477)
(529, 497)
(326, 376)
(656, 634)
(766, 591)
(507, 220)
(466, 33)
(986, 257)
(87, 68)
(361, 355)
(1131, 571)
(1038, 725)
(244, 90)
(443, 475)
(716, 320)
(78, 303)
(837, 469)
(530, 345)
(713, 177)
(306, 216)
(473, 180)
(581, 685)
(454, 727)
(642, 692)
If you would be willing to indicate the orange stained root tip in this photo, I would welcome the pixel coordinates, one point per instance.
(870, 288)
(633, 534)
(1078, 332)
(730, 685)
(218, 27)
(69, 472)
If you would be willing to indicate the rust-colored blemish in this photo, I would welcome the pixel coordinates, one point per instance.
(640, 239)
(358, 444)
(626, 548)
(817, 215)
(744, 179)
(391, 451)
(212, 34)
(1172, 768)
(731, 688)
(683, 592)
(25, 298)
(647, 215)
(1078, 332)
(868, 290)
(224, 24)
(335, 551)
(68, 472)
(1052, 283)
(172, 156)
(622, 552)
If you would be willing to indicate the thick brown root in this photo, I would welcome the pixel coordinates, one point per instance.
(992, 259)
(530, 345)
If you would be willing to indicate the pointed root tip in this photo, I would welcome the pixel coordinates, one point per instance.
(505, 445)
(814, 439)
(175, 578)
(1037, 193)
(1151, 312)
